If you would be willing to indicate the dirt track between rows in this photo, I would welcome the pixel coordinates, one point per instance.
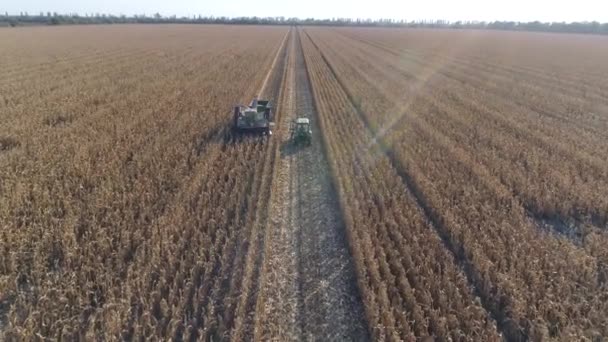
(308, 289)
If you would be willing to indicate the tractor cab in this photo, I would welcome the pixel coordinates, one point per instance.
(301, 132)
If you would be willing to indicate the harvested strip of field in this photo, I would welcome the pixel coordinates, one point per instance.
(309, 287)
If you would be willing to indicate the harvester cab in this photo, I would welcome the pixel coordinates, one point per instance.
(301, 132)
(255, 118)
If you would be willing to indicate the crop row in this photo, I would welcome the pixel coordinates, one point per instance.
(559, 175)
(464, 165)
(531, 99)
(410, 283)
(135, 221)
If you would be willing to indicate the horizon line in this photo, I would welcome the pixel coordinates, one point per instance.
(334, 18)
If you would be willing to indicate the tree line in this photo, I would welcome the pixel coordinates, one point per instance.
(48, 18)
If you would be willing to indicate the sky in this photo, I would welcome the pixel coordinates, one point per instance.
(482, 10)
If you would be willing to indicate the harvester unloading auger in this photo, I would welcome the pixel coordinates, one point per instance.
(255, 118)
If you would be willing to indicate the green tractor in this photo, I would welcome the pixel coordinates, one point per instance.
(301, 132)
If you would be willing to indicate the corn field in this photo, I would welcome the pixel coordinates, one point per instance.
(456, 188)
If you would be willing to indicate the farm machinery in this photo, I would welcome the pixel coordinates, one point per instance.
(301, 132)
(255, 118)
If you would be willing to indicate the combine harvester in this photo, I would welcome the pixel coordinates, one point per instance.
(255, 118)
